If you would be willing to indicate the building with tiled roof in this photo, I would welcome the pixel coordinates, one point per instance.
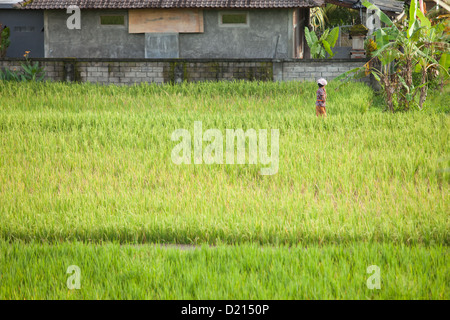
(169, 28)
(390, 7)
(170, 4)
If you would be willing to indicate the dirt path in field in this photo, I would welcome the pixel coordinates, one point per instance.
(181, 246)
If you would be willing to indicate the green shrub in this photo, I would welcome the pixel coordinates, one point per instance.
(30, 71)
(4, 40)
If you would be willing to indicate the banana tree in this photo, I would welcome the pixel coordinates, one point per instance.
(320, 47)
(431, 41)
(403, 52)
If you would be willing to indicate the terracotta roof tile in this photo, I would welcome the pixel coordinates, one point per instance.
(167, 4)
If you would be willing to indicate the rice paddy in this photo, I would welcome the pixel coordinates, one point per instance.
(87, 179)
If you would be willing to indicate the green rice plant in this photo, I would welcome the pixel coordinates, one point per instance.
(86, 179)
(93, 163)
(112, 271)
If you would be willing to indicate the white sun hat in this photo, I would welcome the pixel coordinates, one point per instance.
(322, 81)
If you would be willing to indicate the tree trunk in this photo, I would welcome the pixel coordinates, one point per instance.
(389, 90)
(407, 76)
(424, 89)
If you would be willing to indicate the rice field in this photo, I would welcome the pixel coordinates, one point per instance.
(87, 179)
(114, 271)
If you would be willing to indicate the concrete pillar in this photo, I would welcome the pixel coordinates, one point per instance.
(178, 73)
(69, 71)
(277, 70)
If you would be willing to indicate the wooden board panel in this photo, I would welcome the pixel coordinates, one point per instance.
(165, 20)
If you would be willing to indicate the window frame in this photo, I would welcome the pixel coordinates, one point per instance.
(234, 25)
(124, 25)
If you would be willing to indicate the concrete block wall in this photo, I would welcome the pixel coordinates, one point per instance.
(127, 72)
(228, 70)
(119, 72)
(311, 70)
(54, 70)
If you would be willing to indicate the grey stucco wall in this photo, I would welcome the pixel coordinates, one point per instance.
(92, 40)
(258, 40)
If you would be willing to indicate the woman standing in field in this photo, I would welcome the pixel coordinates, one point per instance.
(321, 98)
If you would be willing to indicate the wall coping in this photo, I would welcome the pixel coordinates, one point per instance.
(322, 60)
(68, 59)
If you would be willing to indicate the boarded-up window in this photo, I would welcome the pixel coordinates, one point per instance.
(112, 20)
(165, 21)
